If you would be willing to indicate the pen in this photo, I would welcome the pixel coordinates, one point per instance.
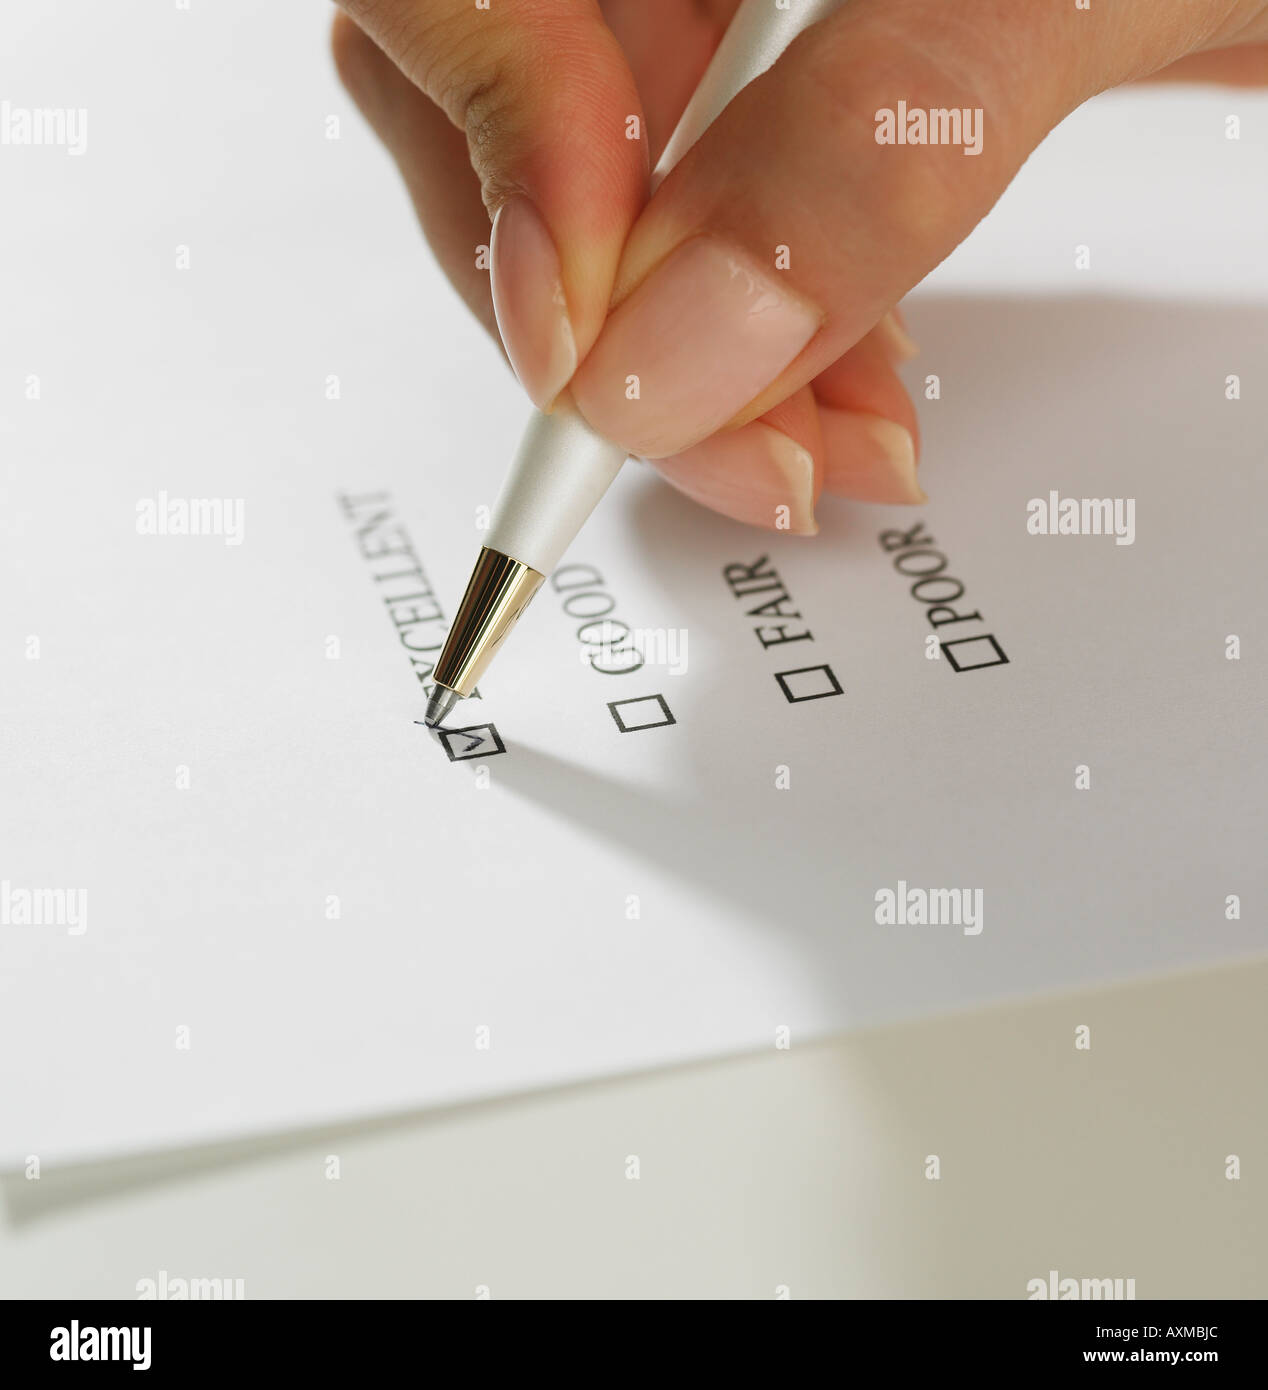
(562, 466)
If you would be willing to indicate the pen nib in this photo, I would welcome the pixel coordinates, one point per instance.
(442, 701)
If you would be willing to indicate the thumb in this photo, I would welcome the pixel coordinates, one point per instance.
(800, 216)
(555, 133)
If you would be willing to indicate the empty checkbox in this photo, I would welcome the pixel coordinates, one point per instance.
(982, 651)
(808, 683)
(644, 712)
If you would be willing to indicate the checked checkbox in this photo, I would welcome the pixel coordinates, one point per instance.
(479, 741)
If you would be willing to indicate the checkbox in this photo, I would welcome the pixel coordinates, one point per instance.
(644, 712)
(808, 683)
(479, 741)
(984, 645)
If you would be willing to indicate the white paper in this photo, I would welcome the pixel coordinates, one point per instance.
(298, 909)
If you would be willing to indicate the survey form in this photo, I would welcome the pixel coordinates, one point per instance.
(725, 790)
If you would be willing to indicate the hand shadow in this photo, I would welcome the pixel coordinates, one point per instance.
(1040, 368)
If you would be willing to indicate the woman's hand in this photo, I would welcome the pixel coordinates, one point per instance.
(753, 297)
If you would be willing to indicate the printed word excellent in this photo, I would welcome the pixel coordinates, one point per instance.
(411, 604)
(914, 556)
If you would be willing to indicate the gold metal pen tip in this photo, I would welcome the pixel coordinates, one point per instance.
(498, 592)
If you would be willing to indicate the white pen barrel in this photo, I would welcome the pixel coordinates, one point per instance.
(563, 467)
(754, 39)
(561, 470)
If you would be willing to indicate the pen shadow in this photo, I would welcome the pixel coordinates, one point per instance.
(744, 853)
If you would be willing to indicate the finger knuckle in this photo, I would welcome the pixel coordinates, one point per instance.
(925, 191)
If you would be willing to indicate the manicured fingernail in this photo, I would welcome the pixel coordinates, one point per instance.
(528, 298)
(868, 458)
(703, 335)
(900, 345)
(756, 474)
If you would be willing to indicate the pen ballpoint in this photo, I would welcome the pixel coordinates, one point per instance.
(562, 466)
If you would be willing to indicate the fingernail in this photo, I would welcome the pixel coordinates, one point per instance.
(756, 474)
(868, 458)
(703, 335)
(529, 301)
(900, 345)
